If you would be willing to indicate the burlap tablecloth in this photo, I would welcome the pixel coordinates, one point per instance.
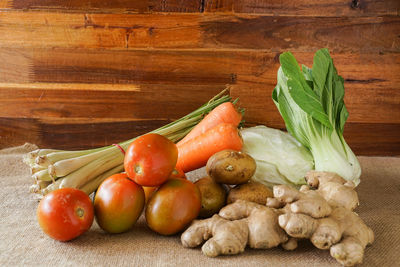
(23, 243)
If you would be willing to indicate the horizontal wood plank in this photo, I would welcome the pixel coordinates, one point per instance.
(195, 31)
(364, 139)
(72, 133)
(323, 8)
(180, 66)
(173, 101)
(306, 7)
(373, 103)
(371, 81)
(126, 101)
(105, 6)
(373, 139)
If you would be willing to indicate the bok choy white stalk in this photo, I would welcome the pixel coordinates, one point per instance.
(311, 104)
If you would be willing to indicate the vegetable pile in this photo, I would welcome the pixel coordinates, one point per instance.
(53, 169)
(153, 181)
(263, 188)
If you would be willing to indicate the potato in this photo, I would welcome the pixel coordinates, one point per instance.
(213, 196)
(251, 191)
(231, 167)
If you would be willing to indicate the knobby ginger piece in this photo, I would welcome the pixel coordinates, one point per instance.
(237, 225)
(223, 236)
(341, 230)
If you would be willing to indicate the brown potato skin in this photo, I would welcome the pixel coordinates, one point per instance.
(251, 191)
(231, 167)
(213, 196)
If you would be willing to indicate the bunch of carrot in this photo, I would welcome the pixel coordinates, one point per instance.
(216, 132)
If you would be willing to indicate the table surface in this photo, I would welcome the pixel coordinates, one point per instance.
(23, 243)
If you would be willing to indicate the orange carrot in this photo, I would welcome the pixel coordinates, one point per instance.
(195, 152)
(224, 113)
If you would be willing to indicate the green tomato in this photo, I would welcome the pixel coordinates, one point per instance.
(173, 206)
(118, 203)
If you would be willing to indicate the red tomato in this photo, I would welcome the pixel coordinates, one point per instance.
(118, 203)
(173, 206)
(65, 213)
(150, 159)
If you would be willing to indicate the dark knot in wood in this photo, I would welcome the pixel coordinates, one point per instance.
(355, 4)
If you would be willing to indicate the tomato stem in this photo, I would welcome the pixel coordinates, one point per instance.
(80, 212)
(138, 169)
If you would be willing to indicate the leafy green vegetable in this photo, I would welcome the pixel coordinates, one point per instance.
(280, 158)
(311, 104)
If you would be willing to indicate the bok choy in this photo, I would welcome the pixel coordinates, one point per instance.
(310, 101)
(279, 157)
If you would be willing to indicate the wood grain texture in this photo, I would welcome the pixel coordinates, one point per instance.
(57, 83)
(22, 65)
(80, 74)
(102, 6)
(324, 8)
(364, 139)
(111, 101)
(130, 87)
(374, 139)
(70, 101)
(196, 31)
(72, 133)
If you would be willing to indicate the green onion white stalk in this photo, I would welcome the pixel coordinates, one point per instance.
(52, 169)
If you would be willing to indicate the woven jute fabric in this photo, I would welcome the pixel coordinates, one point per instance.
(22, 243)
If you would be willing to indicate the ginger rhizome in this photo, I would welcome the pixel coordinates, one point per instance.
(321, 211)
(224, 236)
(341, 230)
(237, 225)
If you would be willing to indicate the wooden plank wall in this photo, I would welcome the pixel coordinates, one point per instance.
(79, 74)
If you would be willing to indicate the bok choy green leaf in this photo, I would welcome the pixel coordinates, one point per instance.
(311, 104)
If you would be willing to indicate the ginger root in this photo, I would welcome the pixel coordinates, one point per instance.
(237, 225)
(321, 211)
(336, 190)
(264, 231)
(228, 237)
(341, 230)
(306, 201)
